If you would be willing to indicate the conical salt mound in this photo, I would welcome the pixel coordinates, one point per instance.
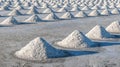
(62, 10)
(33, 18)
(95, 7)
(67, 15)
(85, 8)
(115, 11)
(51, 16)
(98, 32)
(81, 14)
(19, 7)
(75, 9)
(9, 21)
(15, 12)
(38, 50)
(48, 10)
(94, 13)
(75, 40)
(33, 11)
(105, 12)
(4, 8)
(114, 27)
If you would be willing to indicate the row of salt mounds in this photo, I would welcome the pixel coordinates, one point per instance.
(39, 50)
(9, 21)
(75, 40)
(98, 32)
(114, 27)
(33, 18)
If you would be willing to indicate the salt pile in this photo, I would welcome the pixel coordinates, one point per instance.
(105, 12)
(39, 50)
(115, 11)
(81, 14)
(33, 18)
(51, 16)
(62, 10)
(94, 13)
(85, 8)
(75, 40)
(15, 12)
(114, 27)
(67, 15)
(9, 21)
(98, 32)
(33, 10)
(48, 10)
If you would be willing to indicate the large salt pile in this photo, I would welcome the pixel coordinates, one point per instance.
(15, 12)
(9, 21)
(98, 32)
(114, 27)
(75, 40)
(33, 18)
(67, 15)
(81, 14)
(39, 49)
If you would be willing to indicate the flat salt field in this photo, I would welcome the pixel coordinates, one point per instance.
(15, 37)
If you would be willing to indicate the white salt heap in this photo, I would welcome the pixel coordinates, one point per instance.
(94, 13)
(75, 40)
(105, 12)
(15, 12)
(33, 18)
(51, 16)
(81, 14)
(67, 15)
(115, 11)
(114, 27)
(38, 50)
(98, 32)
(33, 10)
(9, 21)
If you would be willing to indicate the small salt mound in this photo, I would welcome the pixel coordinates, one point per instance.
(19, 7)
(33, 10)
(27, 4)
(9, 21)
(114, 27)
(75, 40)
(56, 6)
(15, 12)
(62, 10)
(39, 50)
(95, 7)
(105, 7)
(115, 11)
(81, 14)
(67, 15)
(98, 32)
(48, 10)
(75, 9)
(105, 12)
(33, 18)
(4, 8)
(51, 16)
(94, 13)
(85, 8)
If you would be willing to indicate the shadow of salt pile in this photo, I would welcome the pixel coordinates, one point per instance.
(103, 43)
